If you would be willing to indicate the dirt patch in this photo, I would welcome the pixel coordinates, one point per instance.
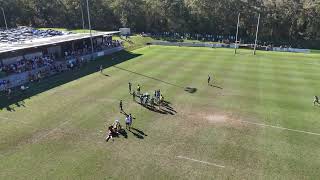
(217, 118)
(206, 117)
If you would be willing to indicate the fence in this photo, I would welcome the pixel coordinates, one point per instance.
(211, 45)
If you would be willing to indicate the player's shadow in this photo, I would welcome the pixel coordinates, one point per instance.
(123, 133)
(165, 108)
(191, 90)
(167, 105)
(105, 74)
(215, 86)
(138, 133)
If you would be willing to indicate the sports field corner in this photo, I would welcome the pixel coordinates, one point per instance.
(255, 120)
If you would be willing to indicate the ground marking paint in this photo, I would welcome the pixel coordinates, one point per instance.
(53, 130)
(203, 162)
(278, 127)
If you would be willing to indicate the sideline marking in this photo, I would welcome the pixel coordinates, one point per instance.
(203, 162)
(278, 127)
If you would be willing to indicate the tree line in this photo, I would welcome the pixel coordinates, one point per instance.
(295, 22)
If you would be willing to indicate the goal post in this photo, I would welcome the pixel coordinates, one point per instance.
(236, 43)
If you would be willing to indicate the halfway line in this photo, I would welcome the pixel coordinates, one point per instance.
(203, 162)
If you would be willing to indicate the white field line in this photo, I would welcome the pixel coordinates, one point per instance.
(203, 162)
(4, 118)
(278, 127)
(52, 131)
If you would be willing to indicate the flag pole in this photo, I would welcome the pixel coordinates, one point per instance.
(256, 41)
(235, 48)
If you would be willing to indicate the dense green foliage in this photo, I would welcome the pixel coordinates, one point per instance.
(295, 22)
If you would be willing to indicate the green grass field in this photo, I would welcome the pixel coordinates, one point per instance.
(257, 121)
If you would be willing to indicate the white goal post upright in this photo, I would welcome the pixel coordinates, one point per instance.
(236, 43)
(256, 41)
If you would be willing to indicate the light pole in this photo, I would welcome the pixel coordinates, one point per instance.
(90, 26)
(5, 19)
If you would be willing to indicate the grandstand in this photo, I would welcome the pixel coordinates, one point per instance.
(46, 52)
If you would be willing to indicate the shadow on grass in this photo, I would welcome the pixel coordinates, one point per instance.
(165, 108)
(35, 88)
(215, 86)
(191, 90)
(123, 133)
(138, 133)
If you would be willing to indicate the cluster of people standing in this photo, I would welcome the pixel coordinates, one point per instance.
(145, 98)
(115, 129)
(25, 64)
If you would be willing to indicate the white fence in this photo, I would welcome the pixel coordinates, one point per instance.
(291, 50)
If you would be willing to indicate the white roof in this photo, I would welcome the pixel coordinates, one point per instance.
(10, 47)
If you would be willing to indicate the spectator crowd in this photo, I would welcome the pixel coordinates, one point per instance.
(25, 65)
(47, 65)
(86, 49)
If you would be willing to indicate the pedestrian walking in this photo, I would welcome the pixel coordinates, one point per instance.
(134, 96)
(130, 86)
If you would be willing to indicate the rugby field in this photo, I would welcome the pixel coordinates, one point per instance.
(256, 121)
